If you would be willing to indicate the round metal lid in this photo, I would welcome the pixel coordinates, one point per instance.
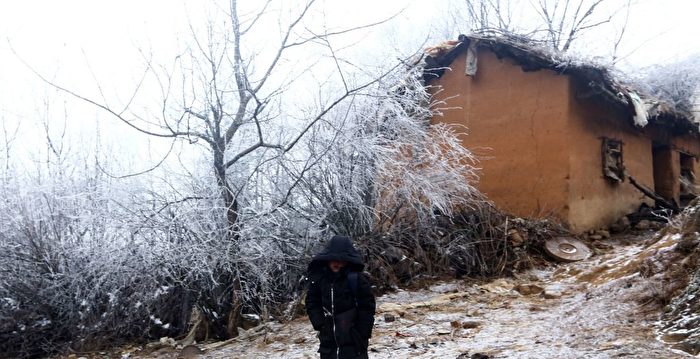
(567, 249)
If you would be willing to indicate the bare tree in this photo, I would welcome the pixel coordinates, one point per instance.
(9, 136)
(485, 15)
(561, 22)
(567, 20)
(620, 33)
(230, 99)
(232, 91)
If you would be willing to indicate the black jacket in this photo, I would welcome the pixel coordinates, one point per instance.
(344, 321)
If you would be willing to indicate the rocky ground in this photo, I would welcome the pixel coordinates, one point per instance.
(590, 309)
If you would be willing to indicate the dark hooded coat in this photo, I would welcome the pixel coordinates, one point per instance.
(344, 320)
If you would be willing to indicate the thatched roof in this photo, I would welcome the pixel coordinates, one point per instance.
(600, 80)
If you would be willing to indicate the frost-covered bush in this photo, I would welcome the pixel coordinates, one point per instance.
(88, 261)
(677, 83)
(405, 189)
(70, 271)
(389, 163)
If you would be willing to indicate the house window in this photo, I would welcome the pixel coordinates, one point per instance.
(613, 168)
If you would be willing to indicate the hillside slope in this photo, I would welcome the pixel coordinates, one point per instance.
(596, 308)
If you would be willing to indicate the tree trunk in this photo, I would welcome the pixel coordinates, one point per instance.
(227, 195)
(233, 317)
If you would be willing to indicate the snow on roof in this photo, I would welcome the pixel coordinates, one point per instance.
(602, 79)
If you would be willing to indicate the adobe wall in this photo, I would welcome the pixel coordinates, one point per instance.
(594, 200)
(689, 144)
(516, 124)
(668, 173)
(540, 145)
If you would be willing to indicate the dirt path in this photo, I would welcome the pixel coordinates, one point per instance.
(588, 309)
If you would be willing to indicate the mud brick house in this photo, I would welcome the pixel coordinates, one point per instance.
(559, 138)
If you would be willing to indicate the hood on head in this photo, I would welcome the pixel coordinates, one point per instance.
(339, 248)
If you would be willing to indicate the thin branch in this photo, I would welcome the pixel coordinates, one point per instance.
(173, 133)
(256, 18)
(330, 107)
(283, 45)
(162, 160)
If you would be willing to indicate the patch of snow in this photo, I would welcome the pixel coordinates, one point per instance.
(10, 302)
(161, 290)
(44, 322)
(445, 287)
(251, 317)
(640, 110)
(445, 317)
(686, 320)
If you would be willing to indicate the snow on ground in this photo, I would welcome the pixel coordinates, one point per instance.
(577, 310)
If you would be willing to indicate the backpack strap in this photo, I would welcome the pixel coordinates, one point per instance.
(352, 282)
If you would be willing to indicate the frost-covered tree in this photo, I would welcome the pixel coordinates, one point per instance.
(244, 98)
(233, 90)
(297, 143)
(677, 83)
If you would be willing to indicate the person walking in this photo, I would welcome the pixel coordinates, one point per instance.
(339, 302)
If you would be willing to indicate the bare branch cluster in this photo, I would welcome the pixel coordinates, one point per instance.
(560, 24)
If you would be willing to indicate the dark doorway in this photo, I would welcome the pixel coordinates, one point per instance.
(688, 190)
(664, 181)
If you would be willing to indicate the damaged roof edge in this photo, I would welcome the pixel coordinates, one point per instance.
(601, 82)
(435, 66)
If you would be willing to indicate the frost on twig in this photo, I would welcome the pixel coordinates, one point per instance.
(676, 83)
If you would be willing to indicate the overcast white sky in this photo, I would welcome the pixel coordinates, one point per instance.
(76, 41)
